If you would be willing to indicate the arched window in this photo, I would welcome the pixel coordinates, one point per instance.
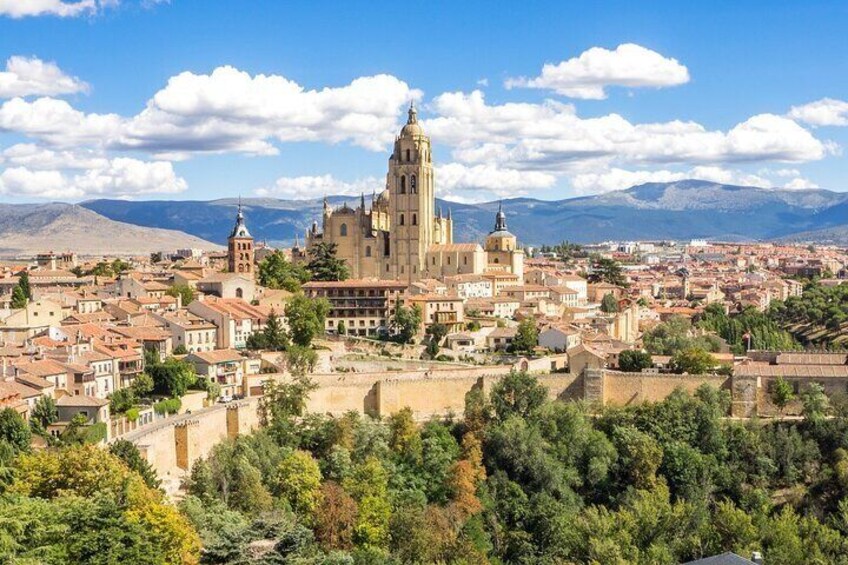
(414, 218)
(240, 268)
(448, 259)
(403, 184)
(407, 156)
(401, 219)
(465, 260)
(343, 230)
(413, 185)
(368, 251)
(239, 293)
(434, 260)
(497, 260)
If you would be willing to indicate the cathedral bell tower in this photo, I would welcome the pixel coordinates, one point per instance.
(240, 247)
(411, 202)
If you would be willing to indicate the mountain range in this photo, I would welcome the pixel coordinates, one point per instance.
(678, 210)
(27, 229)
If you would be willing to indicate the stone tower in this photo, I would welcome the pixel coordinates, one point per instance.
(411, 202)
(240, 247)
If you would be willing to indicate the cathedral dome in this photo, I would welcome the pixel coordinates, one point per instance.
(412, 128)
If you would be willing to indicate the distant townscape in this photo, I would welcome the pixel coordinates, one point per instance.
(250, 378)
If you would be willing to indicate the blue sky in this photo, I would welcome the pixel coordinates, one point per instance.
(121, 98)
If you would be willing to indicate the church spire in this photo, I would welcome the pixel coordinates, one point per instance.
(413, 113)
(500, 218)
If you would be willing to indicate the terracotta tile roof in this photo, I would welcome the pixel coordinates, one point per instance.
(81, 401)
(218, 356)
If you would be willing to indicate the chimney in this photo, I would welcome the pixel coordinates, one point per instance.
(757, 557)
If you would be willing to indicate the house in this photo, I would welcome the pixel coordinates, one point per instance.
(95, 411)
(438, 309)
(18, 325)
(228, 285)
(223, 366)
(499, 339)
(363, 306)
(559, 338)
(189, 330)
(234, 319)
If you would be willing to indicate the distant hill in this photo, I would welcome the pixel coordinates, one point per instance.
(679, 210)
(26, 229)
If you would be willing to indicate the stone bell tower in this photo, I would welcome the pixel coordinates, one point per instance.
(240, 247)
(411, 202)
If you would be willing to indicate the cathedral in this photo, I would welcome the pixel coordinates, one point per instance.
(401, 236)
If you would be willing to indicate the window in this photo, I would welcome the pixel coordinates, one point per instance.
(434, 260)
(407, 156)
(403, 184)
(414, 219)
(448, 259)
(465, 260)
(368, 251)
(343, 230)
(239, 293)
(401, 219)
(496, 260)
(413, 185)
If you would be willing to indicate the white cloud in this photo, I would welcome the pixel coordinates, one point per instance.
(58, 123)
(118, 177)
(480, 182)
(824, 112)
(225, 111)
(26, 76)
(35, 157)
(230, 110)
(587, 75)
(60, 8)
(550, 136)
(308, 187)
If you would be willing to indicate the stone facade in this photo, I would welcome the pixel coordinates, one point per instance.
(400, 235)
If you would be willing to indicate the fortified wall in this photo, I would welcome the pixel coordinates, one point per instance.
(174, 445)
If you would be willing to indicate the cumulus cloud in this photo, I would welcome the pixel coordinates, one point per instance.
(550, 136)
(225, 111)
(824, 112)
(27, 76)
(480, 182)
(58, 123)
(308, 187)
(60, 8)
(32, 172)
(587, 75)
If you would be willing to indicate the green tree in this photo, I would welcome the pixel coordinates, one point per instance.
(14, 430)
(695, 361)
(301, 360)
(781, 393)
(23, 282)
(526, 337)
(127, 452)
(298, 482)
(436, 333)
(273, 336)
(341, 329)
(184, 291)
(606, 270)
(634, 360)
(609, 304)
(324, 265)
(172, 377)
(518, 393)
(275, 271)
(306, 318)
(406, 322)
(43, 414)
(19, 299)
(815, 403)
